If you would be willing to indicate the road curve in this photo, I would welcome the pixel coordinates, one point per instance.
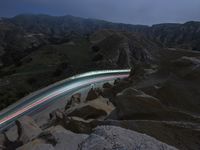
(51, 93)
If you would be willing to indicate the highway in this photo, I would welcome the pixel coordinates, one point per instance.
(44, 97)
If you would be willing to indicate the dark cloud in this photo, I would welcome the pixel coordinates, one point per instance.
(127, 11)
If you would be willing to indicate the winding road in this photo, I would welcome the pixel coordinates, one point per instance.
(43, 97)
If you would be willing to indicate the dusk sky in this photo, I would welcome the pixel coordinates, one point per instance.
(125, 11)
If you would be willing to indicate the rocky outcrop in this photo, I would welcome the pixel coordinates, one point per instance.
(110, 137)
(27, 129)
(75, 99)
(36, 144)
(92, 109)
(79, 125)
(132, 103)
(65, 139)
(183, 135)
(93, 94)
(2, 141)
(187, 67)
(56, 115)
(121, 49)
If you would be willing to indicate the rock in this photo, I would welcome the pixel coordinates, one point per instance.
(94, 109)
(12, 145)
(12, 133)
(137, 71)
(187, 67)
(180, 94)
(185, 61)
(34, 145)
(56, 115)
(27, 129)
(117, 81)
(121, 85)
(2, 141)
(79, 125)
(75, 99)
(65, 140)
(38, 147)
(111, 137)
(92, 94)
(108, 93)
(88, 112)
(132, 103)
(183, 135)
(107, 85)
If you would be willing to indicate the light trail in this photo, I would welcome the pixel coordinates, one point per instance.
(113, 74)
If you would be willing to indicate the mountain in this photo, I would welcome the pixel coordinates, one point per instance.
(159, 99)
(186, 36)
(52, 47)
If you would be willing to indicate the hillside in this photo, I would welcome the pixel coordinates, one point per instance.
(52, 48)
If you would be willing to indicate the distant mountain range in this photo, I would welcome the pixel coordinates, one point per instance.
(27, 31)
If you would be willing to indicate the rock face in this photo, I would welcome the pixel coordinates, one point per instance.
(27, 129)
(75, 99)
(133, 103)
(36, 144)
(65, 140)
(2, 141)
(110, 137)
(187, 67)
(120, 49)
(91, 109)
(38, 147)
(182, 135)
(79, 125)
(92, 94)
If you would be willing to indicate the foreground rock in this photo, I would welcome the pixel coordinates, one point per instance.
(79, 125)
(2, 141)
(64, 139)
(183, 135)
(75, 100)
(37, 144)
(133, 103)
(93, 94)
(92, 109)
(187, 67)
(110, 137)
(27, 129)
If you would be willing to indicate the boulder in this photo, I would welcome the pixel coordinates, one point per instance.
(132, 103)
(93, 94)
(180, 94)
(75, 99)
(2, 141)
(87, 112)
(34, 145)
(187, 67)
(108, 93)
(27, 129)
(56, 115)
(107, 85)
(183, 135)
(79, 125)
(12, 133)
(37, 147)
(94, 109)
(111, 137)
(65, 140)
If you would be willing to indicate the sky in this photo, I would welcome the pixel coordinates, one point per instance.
(145, 12)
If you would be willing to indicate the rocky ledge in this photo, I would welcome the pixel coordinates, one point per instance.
(151, 109)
